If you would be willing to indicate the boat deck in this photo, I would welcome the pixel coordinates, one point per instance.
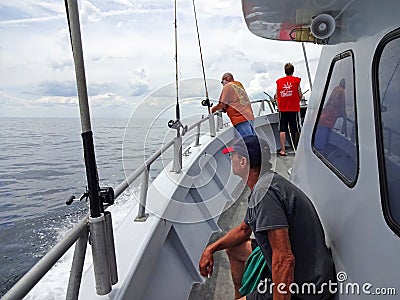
(220, 285)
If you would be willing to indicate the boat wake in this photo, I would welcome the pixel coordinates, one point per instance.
(54, 284)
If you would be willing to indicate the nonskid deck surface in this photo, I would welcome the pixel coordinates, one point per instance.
(220, 285)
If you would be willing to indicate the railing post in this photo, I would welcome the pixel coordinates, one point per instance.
(111, 248)
(211, 123)
(75, 276)
(142, 215)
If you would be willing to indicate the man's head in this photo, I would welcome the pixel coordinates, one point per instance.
(289, 69)
(249, 152)
(227, 77)
(342, 83)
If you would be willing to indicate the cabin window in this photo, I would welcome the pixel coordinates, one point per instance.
(387, 111)
(335, 134)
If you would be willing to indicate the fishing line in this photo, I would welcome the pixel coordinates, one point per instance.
(201, 55)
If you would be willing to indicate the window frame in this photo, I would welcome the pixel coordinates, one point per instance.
(382, 174)
(335, 170)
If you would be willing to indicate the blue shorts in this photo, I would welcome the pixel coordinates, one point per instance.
(245, 128)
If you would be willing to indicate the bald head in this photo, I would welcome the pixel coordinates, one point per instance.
(228, 77)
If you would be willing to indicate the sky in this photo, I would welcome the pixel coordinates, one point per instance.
(129, 55)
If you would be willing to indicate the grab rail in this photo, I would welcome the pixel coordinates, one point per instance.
(35, 274)
(271, 105)
(32, 277)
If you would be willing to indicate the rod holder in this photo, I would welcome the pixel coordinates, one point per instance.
(211, 122)
(197, 142)
(220, 122)
(177, 163)
(101, 263)
(111, 248)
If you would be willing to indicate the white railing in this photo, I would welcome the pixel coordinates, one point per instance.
(79, 234)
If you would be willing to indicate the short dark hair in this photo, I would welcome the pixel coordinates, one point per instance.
(289, 69)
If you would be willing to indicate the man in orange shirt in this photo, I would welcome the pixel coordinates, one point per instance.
(235, 102)
(334, 109)
(288, 94)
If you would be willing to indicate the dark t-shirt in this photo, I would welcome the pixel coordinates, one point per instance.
(277, 203)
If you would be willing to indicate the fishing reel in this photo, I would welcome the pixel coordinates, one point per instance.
(106, 196)
(177, 124)
(206, 102)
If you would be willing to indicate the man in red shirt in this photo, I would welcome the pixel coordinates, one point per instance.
(288, 94)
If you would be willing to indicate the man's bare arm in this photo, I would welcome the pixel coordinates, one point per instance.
(219, 107)
(232, 238)
(283, 262)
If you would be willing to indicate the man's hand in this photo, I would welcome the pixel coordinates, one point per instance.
(232, 238)
(206, 263)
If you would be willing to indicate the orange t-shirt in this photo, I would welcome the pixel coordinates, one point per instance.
(288, 93)
(236, 103)
(334, 108)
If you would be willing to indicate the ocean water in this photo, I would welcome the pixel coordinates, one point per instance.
(42, 165)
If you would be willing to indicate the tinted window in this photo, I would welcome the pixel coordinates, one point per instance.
(388, 74)
(335, 134)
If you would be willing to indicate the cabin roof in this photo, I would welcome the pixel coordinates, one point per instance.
(287, 20)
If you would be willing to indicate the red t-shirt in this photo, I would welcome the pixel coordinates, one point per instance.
(288, 93)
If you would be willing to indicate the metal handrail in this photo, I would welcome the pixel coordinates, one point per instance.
(262, 107)
(32, 277)
(35, 274)
(131, 178)
(198, 123)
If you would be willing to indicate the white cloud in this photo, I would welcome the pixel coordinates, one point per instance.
(108, 100)
(139, 84)
(259, 84)
(129, 51)
(89, 12)
(54, 100)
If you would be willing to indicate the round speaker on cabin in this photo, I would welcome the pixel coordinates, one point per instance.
(323, 26)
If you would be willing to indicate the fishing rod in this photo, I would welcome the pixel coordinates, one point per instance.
(177, 124)
(205, 102)
(178, 113)
(100, 224)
